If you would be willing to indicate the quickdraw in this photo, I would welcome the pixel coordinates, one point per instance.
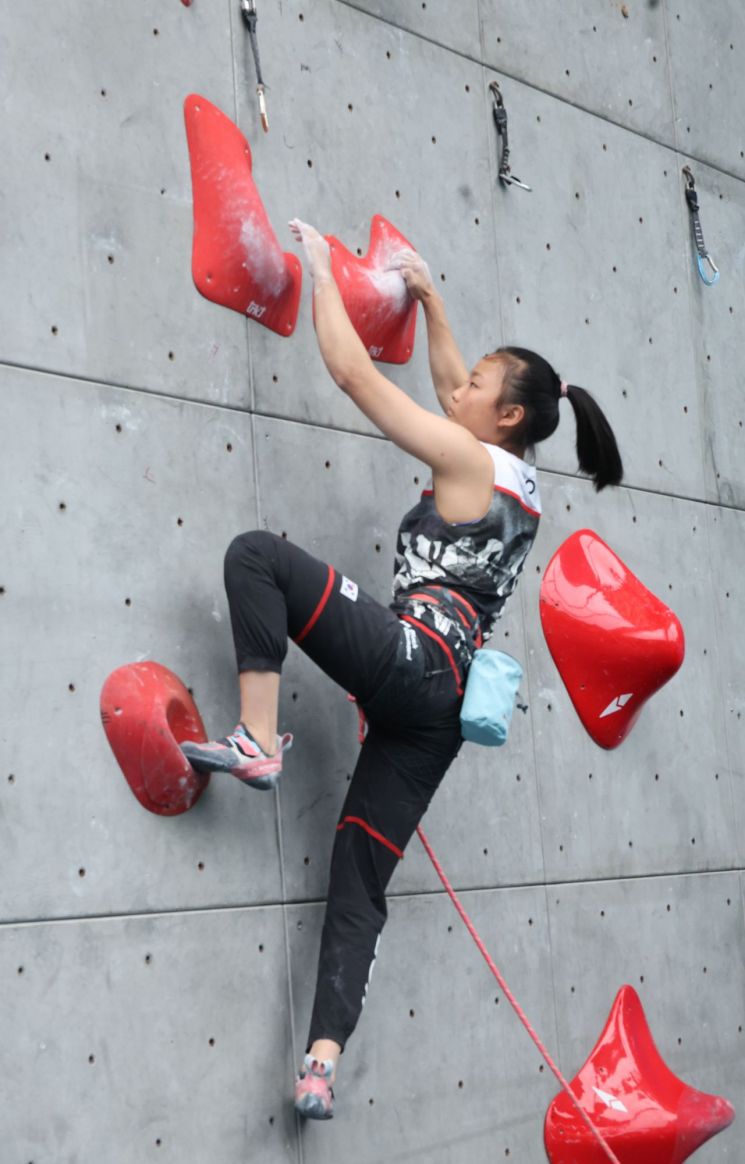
(248, 12)
(506, 177)
(703, 257)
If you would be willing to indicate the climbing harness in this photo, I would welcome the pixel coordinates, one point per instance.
(248, 11)
(609, 1154)
(506, 177)
(703, 256)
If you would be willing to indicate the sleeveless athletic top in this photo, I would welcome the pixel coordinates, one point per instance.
(455, 577)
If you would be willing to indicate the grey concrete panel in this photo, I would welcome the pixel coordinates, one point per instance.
(129, 569)
(588, 54)
(662, 801)
(718, 334)
(336, 166)
(97, 273)
(163, 1038)
(676, 941)
(706, 47)
(458, 31)
(437, 1069)
(726, 531)
(345, 508)
(593, 268)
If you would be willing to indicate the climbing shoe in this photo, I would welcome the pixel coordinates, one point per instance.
(240, 755)
(314, 1097)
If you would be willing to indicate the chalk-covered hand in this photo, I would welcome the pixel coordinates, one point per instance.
(415, 273)
(317, 253)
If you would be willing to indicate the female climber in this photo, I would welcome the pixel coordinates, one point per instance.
(459, 554)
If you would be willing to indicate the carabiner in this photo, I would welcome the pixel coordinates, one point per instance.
(262, 108)
(702, 256)
(499, 112)
(702, 272)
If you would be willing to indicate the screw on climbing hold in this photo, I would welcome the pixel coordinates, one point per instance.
(248, 12)
(506, 177)
(703, 257)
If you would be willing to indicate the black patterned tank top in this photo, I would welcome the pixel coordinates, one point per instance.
(479, 560)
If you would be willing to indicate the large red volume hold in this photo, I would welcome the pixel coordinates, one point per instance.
(645, 1114)
(381, 310)
(147, 712)
(236, 257)
(612, 640)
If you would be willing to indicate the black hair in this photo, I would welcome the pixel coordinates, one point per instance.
(532, 382)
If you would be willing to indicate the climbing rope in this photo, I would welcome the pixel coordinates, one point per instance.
(506, 177)
(703, 256)
(248, 11)
(610, 1155)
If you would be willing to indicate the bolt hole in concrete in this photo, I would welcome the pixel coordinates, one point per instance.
(377, 548)
(62, 506)
(70, 686)
(54, 329)
(11, 779)
(171, 356)
(306, 860)
(411, 1014)
(127, 601)
(179, 521)
(81, 872)
(212, 1042)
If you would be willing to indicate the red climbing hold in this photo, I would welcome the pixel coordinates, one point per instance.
(381, 310)
(645, 1114)
(612, 640)
(236, 258)
(147, 712)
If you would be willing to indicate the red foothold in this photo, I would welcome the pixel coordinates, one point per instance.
(146, 713)
(613, 641)
(645, 1114)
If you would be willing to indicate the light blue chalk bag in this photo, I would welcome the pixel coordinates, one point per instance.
(491, 687)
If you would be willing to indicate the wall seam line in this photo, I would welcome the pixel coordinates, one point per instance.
(714, 503)
(539, 89)
(74, 919)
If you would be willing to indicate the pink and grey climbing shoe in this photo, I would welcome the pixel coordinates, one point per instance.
(240, 755)
(314, 1097)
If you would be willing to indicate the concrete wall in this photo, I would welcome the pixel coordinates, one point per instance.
(157, 973)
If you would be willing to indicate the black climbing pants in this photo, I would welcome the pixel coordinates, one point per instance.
(409, 693)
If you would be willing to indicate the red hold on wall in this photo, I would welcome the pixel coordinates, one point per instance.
(146, 713)
(644, 1113)
(381, 310)
(236, 257)
(613, 641)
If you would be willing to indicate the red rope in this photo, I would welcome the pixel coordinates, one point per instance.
(511, 998)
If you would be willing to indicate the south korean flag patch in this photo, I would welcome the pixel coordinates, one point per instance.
(349, 589)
